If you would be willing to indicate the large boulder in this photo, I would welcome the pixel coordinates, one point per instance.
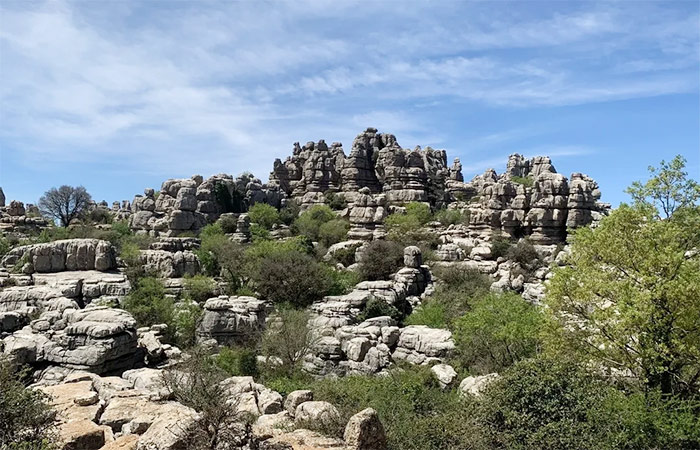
(365, 431)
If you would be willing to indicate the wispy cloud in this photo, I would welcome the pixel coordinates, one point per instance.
(145, 86)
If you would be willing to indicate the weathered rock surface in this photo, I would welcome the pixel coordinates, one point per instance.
(58, 256)
(232, 319)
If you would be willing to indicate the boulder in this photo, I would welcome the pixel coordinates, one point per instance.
(365, 431)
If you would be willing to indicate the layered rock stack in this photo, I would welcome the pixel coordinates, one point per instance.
(543, 211)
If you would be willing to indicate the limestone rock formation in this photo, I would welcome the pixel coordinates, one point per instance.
(232, 319)
(57, 256)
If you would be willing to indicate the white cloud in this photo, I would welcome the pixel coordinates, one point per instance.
(148, 86)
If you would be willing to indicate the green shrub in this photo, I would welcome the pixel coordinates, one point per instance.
(335, 201)
(380, 259)
(227, 223)
(500, 246)
(557, 404)
(26, 416)
(290, 212)
(525, 181)
(377, 308)
(221, 257)
(309, 222)
(457, 290)
(288, 339)
(199, 288)
(498, 331)
(264, 215)
(284, 272)
(4, 245)
(415, 216)
(186, 319)
(449, 217)
(524, 253)
(100, 215)
(259, 233)
(416, 413)
(346, 255)
(333, 231)
(238, 361)
(430, 313)
(148, 304)
(121, 227)
(341, 281)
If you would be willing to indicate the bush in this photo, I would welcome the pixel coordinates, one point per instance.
(335, 201)
(415, 412)
(309, 222)
(186, 319)
(449, 217)
(333, 231)
(26, 417)
(238, 361)
(376, 308)
(341, 281)
(287, 338)
(346, 255)
(500, 246)
(227, 223)
(430, 313)
(415, 216)
(380, 259)
(523, 253)
(290, 212)
(221, 257)
(525, 181)
(259, 233)
(121, 227)
(199, 288)
(4, 246)
(284, 272)
(148, 304)
(558, 404)
(454, 295)
(498, 331)
(197, 383)
(100, 215)
(264, 215)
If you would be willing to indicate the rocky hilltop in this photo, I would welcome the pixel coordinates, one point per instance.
(64, 309)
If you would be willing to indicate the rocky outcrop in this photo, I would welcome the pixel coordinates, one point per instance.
(531, 200)
(232, 319)
(376, 162)
(367, 216)
(98, 339)
(57, 256)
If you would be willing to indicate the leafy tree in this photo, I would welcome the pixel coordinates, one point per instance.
(380, 259)
(309, 222)
(284, 272)
(186, 318)
(264, 215)
(148, 304)
(221, 257)
(238, 361)
(199, 288)
(548, 403)
(26, 417)
(500, 330)
(415, 216)
(333, 231)
(288, 338)
(65, 203)
(669, 188)
(630, 296)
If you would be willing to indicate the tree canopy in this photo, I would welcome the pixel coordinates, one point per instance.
(65, 203)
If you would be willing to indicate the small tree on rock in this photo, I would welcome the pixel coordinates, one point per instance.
(65, 203)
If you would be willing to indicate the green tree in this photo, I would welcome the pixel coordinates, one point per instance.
(669, 188)
(285, 272)
(500, 330)
(148, 303)
(26, 418)
(630, 296)
(264, 215)
(288, 338)
(310, 221)
(333, 231)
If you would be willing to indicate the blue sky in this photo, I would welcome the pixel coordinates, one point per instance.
(118, 96)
